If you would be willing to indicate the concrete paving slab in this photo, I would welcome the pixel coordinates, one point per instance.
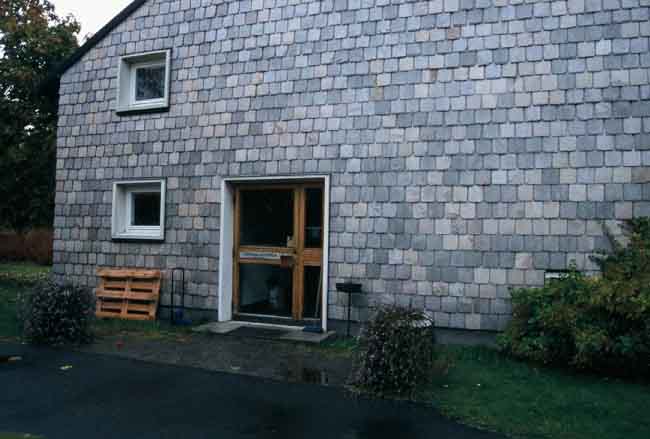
(218, 327)
(267, 331)
(307, 337)
(275, 359)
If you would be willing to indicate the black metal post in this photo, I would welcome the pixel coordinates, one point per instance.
(171, 304)
(183, 292)
(349, 312)
(350, 288)
(172, 318)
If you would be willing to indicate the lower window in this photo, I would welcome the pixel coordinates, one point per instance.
(139, 210)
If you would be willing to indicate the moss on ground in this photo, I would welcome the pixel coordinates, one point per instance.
(486, 389)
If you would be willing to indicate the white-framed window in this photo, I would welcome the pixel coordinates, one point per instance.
(553, 275)
(143, 82)
(139, 210)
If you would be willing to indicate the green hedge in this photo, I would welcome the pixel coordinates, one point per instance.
(599, 323)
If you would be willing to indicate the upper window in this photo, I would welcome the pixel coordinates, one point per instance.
(144, 82)
(139, 210)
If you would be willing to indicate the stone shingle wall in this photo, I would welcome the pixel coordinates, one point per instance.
(472, 144)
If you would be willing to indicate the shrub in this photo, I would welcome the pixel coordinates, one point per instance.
(57, 314)
(600, 324)
(395, 353)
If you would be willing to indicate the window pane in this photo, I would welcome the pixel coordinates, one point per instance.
(149, 83)
(265, 289)
(146, 209)
(313, 292)
(266, 217)
(314, 220)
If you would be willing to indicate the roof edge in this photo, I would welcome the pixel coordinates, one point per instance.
(103, 32)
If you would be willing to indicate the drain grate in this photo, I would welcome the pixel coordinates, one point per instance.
(253, 332)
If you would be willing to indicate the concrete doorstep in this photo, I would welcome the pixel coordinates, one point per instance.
(264, 331)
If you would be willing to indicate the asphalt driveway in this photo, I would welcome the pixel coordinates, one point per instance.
(68, 395)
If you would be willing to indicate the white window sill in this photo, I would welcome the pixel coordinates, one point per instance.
(132, 236)
(141, 233)
(143, 108)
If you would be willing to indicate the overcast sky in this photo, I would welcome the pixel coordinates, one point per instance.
(92, 14)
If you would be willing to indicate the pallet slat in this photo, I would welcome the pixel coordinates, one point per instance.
(128, 294)
(148, 297)
(109, 294)
(139, 307)
(111, 307)
(117, 273)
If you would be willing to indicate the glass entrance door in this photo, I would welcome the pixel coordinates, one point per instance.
(278, 250)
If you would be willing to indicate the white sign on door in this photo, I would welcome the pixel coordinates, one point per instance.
(260, 255)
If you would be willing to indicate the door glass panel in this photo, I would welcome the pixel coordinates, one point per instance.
(313, 284)
(266, 217)
(314, 218)
(265, 289)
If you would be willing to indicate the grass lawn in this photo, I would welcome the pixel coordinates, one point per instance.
(337, 347)
(145, 329)
(8, 322)
(15, 278)
(22, 272)
(488, 390)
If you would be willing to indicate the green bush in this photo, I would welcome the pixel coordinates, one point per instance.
(395, 353)
(56, 314)
(599, 323)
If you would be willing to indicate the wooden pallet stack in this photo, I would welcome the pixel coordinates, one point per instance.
(128, 294)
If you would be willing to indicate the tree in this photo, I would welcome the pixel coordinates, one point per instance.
(34, 42)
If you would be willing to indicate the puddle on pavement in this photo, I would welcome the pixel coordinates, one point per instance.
(301, 374)
(381, 428)
(10, 359)
(314, 376)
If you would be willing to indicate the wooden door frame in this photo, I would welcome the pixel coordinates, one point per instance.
(296, 252)
(227, 237)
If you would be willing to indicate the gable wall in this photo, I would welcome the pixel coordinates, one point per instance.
(472, 144)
